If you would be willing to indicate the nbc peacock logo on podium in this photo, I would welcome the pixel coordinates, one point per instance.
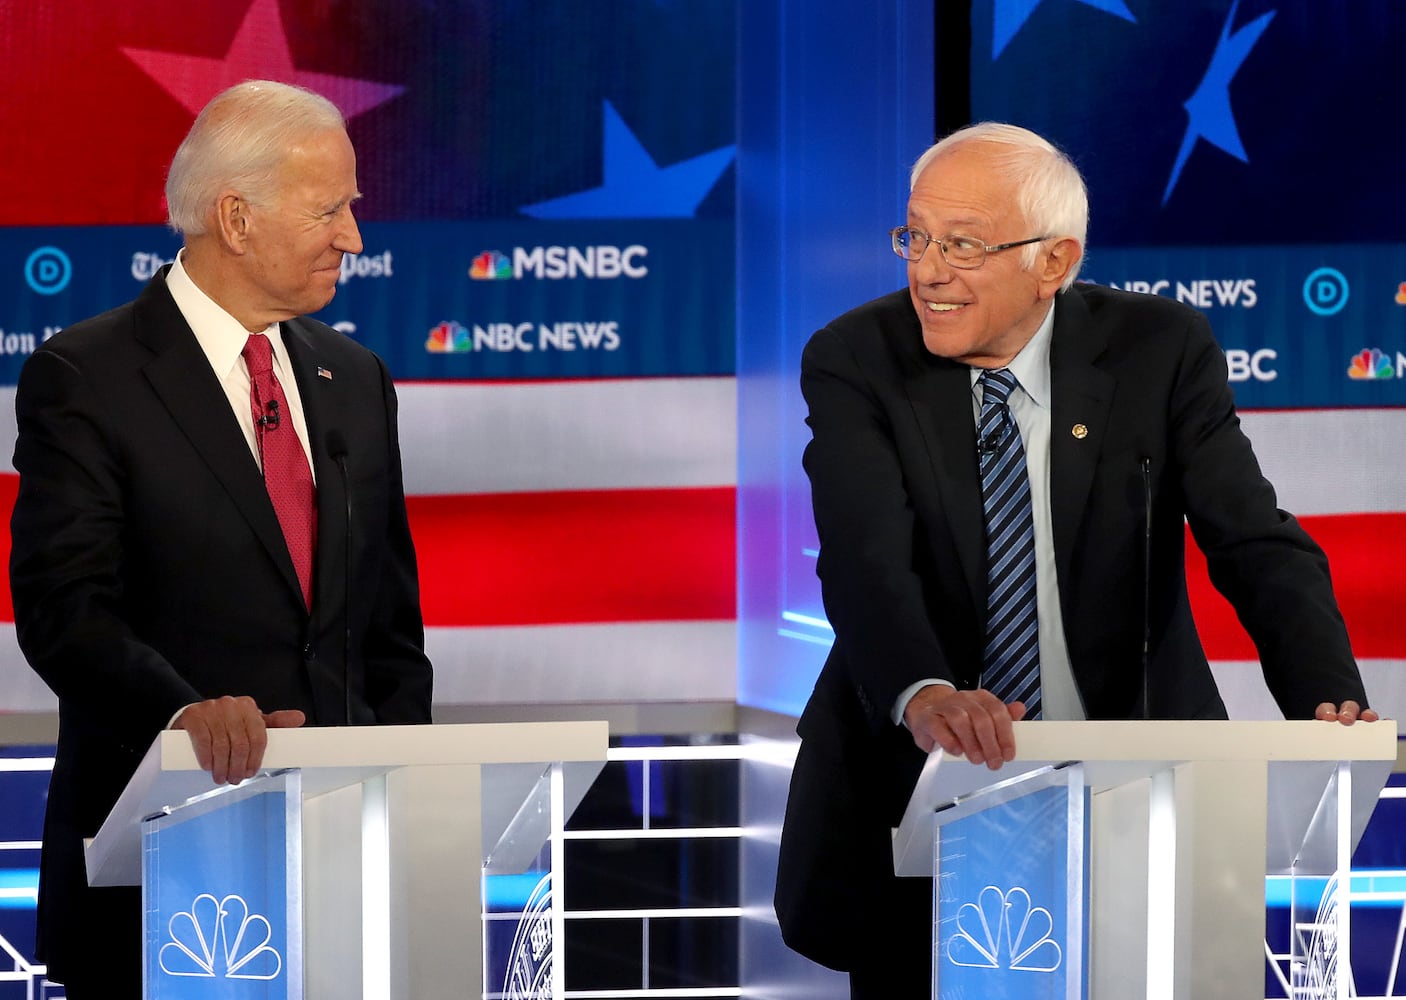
(220, 939)
(1005, 930)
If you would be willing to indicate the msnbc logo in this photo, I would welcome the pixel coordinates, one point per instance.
(449, 337)
(1371, 363)
(491, 266)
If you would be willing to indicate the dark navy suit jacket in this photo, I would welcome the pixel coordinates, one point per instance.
(897, 499)
(149, 572)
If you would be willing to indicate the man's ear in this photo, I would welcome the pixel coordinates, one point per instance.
(232, 220)
(1055, 264)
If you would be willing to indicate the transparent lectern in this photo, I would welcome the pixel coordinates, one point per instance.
(1119, 860)
(356, 865)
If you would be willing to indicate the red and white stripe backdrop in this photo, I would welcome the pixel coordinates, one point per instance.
(1340, 472)
(576, 540)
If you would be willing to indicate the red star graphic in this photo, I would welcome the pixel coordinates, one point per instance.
(259, 52)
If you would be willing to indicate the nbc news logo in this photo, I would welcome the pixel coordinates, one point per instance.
(1372, 364)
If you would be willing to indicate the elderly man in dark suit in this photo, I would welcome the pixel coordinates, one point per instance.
(1001, 465)
(211, 532)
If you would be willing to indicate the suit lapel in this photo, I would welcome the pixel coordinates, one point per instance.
(942, 406)
(1082, 396)
(180, 374)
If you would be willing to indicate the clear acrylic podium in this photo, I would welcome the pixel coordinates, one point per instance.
(1120, 860)
(355, 866)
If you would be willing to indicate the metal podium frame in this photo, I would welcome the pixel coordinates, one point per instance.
(396, 824)
(1186, 820)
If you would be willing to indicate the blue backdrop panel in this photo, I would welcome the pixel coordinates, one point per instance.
(450, 300)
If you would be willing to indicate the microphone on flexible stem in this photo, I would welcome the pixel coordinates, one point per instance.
(337, 450)
(270, 420)
(1147, 587)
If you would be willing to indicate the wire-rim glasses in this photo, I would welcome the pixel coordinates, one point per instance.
(968, 252)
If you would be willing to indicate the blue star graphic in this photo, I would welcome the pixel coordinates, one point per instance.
(1209, 107)
(635, 186)
(1010, 16)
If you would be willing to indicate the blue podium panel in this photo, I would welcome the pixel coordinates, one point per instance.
(222, 895)
(1011, 921)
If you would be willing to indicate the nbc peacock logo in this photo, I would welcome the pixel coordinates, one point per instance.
(448, 337)
(491, 266)
(1004, 930)
(1371, 363)
(220, 939)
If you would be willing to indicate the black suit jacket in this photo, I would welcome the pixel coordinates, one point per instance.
(149, 571)
(1139, 393)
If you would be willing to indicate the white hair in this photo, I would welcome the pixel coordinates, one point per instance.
(1050, 193)
(238, 141)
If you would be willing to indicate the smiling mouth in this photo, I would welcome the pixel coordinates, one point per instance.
(941, 307)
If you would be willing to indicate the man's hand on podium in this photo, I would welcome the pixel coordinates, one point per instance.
(1347, 713)
(973, 724)
(230, 735)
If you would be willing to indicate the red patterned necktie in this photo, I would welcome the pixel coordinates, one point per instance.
(286, 473)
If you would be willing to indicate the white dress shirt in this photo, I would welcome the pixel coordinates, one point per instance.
(222, 338)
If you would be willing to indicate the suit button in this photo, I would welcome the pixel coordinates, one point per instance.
(309, 652)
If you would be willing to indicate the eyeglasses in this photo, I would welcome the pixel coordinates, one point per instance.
(910, 243)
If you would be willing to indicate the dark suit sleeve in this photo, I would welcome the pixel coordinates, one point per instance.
(1269, 569)
(874, 596)
(398, 676)
(67, 550)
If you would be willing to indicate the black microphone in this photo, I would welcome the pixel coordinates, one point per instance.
(988, 445)
(270, 421)
(337, 450)
(1147, 587)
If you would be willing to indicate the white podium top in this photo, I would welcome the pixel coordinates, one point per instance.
(335, 757)
(1115, 753)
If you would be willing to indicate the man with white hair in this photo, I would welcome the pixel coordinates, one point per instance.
(210, 532)
(1001, 465)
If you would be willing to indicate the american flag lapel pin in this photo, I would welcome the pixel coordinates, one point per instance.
(324, 373)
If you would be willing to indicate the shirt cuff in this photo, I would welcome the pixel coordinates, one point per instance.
(906, 695)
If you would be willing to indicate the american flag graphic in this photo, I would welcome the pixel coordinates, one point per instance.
(575, 526)
(574, 532)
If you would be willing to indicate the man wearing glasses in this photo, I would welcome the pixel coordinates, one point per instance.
(1001, 465)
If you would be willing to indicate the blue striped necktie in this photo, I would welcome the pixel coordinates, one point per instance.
(1011, 659)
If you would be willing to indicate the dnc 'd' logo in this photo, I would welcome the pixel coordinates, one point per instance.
(220, 939)
(1004, 931)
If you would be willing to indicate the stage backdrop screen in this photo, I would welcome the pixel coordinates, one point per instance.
(548, 270)
(1242, 156)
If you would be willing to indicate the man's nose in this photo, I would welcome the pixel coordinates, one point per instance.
(348, 234)
(932, 268)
